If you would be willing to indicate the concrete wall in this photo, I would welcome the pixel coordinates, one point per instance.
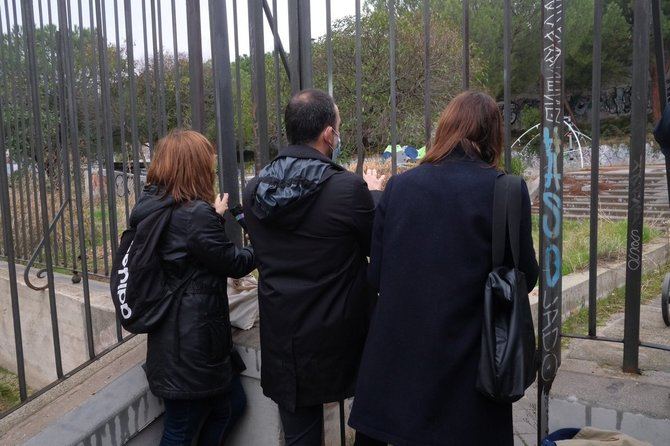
(36, 329)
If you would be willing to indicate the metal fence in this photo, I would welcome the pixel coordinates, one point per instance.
(80, 113)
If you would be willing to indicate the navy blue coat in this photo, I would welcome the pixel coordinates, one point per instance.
(431, 254)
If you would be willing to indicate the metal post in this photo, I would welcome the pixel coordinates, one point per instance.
(595, 165)
(130, 58)
(275, 56)
(147, 88)
(161, 72)
(427, 121)
(29, 30)
(99, 117)
(392, 75)
(238, 100)
(300, 42)
(329, 48)
(551, 208)
(507, 81)
(177, 84)
(359, 94)
(122, 113)
(466, 45)
(195, 64)
(638, 120)
(223, 97)
(258, 93)
(8, 241)
(74, 137)
(107, 123)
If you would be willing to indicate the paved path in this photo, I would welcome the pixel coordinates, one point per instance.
(591, 389)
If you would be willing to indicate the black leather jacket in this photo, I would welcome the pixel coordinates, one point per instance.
(189, 354)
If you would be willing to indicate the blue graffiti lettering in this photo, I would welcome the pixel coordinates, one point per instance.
(552, 259)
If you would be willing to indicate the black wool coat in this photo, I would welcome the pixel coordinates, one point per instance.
(431, 254)
(310, 222)
(189, 354)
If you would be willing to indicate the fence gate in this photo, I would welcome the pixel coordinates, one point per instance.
(85, 92)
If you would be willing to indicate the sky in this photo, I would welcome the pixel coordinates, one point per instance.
(339, 9)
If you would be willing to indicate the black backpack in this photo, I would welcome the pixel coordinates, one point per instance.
(507, 365)
(138, 284)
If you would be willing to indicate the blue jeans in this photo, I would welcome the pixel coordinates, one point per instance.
(217, 415)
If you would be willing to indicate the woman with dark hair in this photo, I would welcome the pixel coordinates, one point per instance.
(430, 258)
(189, 356)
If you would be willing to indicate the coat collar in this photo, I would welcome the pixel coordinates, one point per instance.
(307, 152)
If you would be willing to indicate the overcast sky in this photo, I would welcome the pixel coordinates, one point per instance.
(340, 8)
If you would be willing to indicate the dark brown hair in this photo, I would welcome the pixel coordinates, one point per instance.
(472, 121)
(183, 166)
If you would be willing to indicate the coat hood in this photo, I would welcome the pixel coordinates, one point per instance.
(286, 187)
(151, 200)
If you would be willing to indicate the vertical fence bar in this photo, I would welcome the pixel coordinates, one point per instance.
(300, 44)
(8, 242)
(392, 76)
(195, 64)
(130, 58)
(595, 165)
(74, 137)
(19, 158)
(466, 45)
(507, 81)
(161, 72)
(660, 70)
(258, 92)
(11, 157)
(122, 115)
(427, 121)
(177, 84)
(631, 344)
(223, 97)
(238, 100)
(329, 48)
(275, 56)
(360, 150)
(551, 207)
(87, 139)
(147, 87)
(98, 118)
(107, 123)
(29, 31)
(155, 72)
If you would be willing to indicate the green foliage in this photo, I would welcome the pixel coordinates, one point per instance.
(611, 241)
(9, 390)
(529, 117)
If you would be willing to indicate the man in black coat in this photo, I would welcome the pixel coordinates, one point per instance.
(310, 222)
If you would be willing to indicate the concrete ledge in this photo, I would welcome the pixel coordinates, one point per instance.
(122, 410)
(610, 277)
(38, 348)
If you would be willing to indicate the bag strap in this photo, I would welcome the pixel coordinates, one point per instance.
(506, 218)
(499, 219)
(514, 216)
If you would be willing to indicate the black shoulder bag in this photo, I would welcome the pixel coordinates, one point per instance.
(507, 364)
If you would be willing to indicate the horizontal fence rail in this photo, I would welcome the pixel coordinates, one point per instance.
(87, 88)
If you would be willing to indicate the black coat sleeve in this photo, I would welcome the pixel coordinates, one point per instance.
(208, 244)
(528, 260)
(374, 270)
(362, 210)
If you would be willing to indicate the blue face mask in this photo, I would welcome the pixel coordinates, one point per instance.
(337, 150)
